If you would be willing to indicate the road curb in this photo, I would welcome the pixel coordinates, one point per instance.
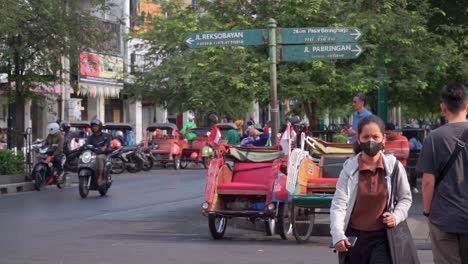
(16, 187)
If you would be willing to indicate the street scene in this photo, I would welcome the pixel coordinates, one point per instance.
(150, 217)
(233, 131)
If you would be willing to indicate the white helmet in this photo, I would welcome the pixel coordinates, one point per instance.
(53, 128)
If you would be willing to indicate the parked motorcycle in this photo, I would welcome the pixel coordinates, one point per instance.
(130, 158)
(44, 173)
(87, 172)
(150, 158)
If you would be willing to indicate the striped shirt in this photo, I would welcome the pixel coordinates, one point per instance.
(398, 146)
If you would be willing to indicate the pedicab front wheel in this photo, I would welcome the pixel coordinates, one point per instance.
(217, 225)
(285, 227)
(270, 226)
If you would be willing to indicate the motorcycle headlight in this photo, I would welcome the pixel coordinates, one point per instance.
(43, 150)
(86, 157)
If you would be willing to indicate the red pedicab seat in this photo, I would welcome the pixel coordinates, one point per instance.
(254, 172)
(249, 178)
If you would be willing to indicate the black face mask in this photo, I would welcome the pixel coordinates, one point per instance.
(371, 148)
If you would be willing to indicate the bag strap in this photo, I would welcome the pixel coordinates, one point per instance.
(458, 147)
(393, 178)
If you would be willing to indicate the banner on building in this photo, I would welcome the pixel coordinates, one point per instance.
(100, 75)
(142, 12)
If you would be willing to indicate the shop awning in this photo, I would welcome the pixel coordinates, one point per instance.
(94, 90)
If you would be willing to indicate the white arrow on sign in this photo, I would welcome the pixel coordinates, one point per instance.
(189, 41)
(359, 50)
(357, 34)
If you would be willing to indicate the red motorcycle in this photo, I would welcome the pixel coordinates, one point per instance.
(44, 173)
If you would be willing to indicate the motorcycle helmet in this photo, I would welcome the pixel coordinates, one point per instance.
(53, 128)
(115, 143)
(96, 122)
(65, 126)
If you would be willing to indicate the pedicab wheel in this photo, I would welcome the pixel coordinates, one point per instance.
(285, 227)
(302, 220)
(270, 226)
(83, 189)
(206, 162)
(217, 225)
(176, 162)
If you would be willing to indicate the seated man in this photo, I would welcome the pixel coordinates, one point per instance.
(255, 138)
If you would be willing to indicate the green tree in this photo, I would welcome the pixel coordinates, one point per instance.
(35, 35)
(397, 41)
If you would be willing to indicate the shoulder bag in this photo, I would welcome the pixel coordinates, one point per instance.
(460, 145)
(400, 241)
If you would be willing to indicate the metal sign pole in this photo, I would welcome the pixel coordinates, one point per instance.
(272, 24)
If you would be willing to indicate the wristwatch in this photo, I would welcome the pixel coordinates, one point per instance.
(426, 214)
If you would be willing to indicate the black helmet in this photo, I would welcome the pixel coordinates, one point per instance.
(96, 122)
(65, 126)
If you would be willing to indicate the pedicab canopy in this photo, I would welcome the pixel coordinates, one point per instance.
(161, 126)
(118, 126)
(255, 154)
(80, 124)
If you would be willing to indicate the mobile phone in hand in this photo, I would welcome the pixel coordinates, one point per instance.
(352, 240)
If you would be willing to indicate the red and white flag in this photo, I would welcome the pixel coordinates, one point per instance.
(215, 135)
(288, 136)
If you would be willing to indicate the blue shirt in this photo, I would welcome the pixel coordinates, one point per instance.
(356, 118)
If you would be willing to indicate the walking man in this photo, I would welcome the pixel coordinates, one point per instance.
(446, 197)
(359, 102)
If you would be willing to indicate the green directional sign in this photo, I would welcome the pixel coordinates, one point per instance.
(226, 38)
(320, 52)
(318, 35)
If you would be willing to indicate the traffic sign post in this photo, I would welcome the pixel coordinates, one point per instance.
(337, 51)
(325, 43)
(226, 38)
(319, 35)
(274, 112)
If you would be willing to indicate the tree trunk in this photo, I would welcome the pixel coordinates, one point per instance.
(310, 108)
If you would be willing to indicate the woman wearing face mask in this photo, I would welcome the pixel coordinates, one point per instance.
(359, 206)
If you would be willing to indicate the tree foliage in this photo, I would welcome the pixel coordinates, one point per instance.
(35, 35)
(400, 48)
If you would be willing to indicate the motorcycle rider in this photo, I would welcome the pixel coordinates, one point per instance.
(101, 141)
(55, 137)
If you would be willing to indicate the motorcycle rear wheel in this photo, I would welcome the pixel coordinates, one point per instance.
(148, 165)
(118, 165)
(39, 179)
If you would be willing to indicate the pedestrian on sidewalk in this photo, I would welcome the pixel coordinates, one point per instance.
(359, 206)
(445, 192)
(359, 102)
(399, 146)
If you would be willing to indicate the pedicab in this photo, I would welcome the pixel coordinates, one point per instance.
(166, 137)
(311, 183)
(242, 182)
(198, 150)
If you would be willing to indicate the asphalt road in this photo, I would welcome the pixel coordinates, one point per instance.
(149, 217)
